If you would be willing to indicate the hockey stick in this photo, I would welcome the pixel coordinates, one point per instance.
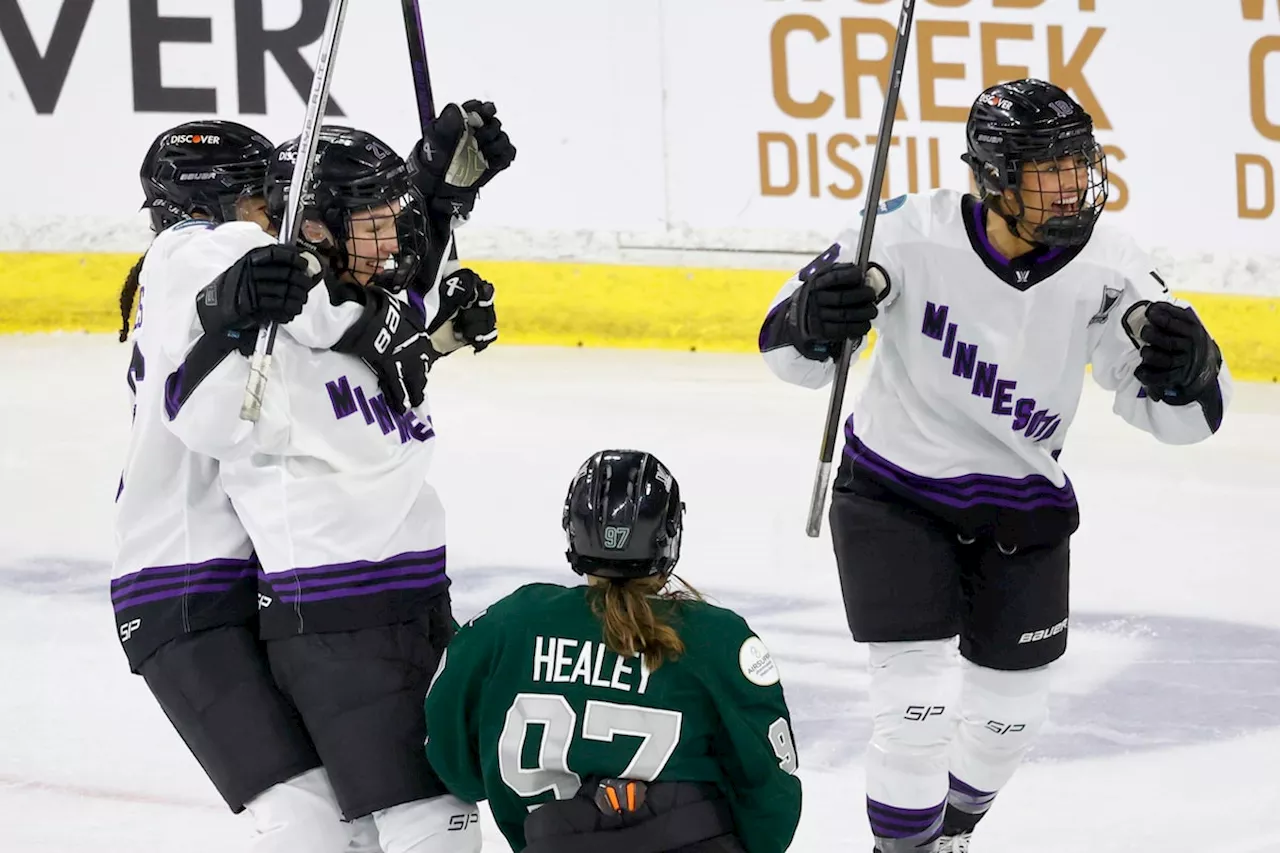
(426, 100)
(878, 165)
(299, 186)
(418, 61)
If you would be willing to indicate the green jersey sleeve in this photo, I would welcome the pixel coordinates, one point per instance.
(450, 705)
(755, 745)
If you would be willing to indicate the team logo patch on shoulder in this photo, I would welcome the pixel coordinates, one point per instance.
(1110, 296)
(890, 205)
(756, 662)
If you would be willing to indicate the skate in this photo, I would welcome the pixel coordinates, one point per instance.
(958, 843)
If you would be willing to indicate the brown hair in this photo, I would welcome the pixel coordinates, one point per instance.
(127, 292)
(630, 624)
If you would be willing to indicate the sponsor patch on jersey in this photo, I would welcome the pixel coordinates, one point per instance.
(756, 662)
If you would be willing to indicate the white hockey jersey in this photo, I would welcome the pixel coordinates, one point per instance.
(330, 483)
(183, 562)
(979, 365)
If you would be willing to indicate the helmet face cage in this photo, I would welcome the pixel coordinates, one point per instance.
(1065, 195)
(376, 219)
(383, 244)
(623, 517)
(1031, 138)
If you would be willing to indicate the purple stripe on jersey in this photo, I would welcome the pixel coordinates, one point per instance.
(135, 601)
(920, 486)
(208, 575)
(356, 591)
(770, 337)
(246, 566)
(173, 392)
(291, 581)
(407, 558)
(417, 300)
(1030, 492)
(980, 229)
(1050, 255)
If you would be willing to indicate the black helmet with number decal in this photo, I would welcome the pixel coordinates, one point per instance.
(360, 191)
(1032, 123)
(623, 516)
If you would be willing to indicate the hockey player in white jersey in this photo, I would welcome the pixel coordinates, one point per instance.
(331, 482)
(950, 514)
(185, 577)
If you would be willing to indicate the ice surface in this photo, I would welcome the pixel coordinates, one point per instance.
(1165, 733)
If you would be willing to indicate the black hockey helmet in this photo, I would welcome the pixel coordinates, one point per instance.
(202, 168)
(1032, 122)
(623, 516)
(354, 171)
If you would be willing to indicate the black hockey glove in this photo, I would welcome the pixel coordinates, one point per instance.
(458, 154)
(466, 316)
(1180, 361)
(833, 306)
(392, 339)
(268, 284)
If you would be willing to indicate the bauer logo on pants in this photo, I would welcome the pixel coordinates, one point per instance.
(756, 662)
(1043, 633)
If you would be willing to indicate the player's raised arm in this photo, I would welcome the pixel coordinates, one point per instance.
(1155, 353)
(820, 306)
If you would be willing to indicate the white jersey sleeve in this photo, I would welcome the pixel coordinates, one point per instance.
(1115, 354)
(209, 423)
(898, 221)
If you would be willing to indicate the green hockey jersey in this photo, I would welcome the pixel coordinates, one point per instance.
(528, 701)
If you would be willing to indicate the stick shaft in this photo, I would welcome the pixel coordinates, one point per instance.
(299, 185)
(879, 164)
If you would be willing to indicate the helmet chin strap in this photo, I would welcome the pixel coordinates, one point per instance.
(1014, 222)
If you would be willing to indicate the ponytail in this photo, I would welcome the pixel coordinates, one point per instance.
(127, 294)
(631, 627)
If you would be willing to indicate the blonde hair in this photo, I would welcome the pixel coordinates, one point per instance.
(630, 624)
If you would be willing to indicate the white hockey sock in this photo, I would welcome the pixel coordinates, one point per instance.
(300, 814)
(912, 691)
(439, 825)
(1001, 714)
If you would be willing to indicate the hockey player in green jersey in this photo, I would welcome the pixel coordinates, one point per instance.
(623, 715)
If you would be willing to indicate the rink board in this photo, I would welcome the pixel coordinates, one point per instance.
(578, 304)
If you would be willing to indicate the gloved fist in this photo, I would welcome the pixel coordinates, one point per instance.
(836, 304)
(459, 153)
(392, 339)
(495, 146)
(268, 284)
(466, 315)
(1179, 359)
